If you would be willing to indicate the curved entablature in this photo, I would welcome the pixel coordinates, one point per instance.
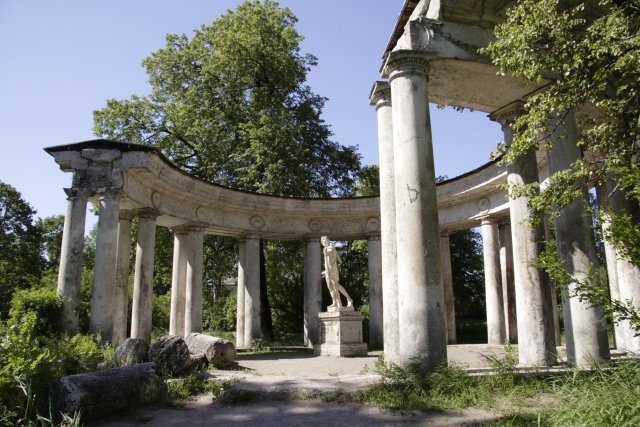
(146, 179)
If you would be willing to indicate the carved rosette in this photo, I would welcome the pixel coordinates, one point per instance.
(156, 200)
(257, 222)
(314, 225)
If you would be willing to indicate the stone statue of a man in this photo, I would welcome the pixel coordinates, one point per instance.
(331, 274)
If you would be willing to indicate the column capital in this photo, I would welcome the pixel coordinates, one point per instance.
(125, 215)
(488, 220)
(75, 192)
(508, 114)
(147, 213)
(373, 236)
(311, 239)
(406, 62)
(380, 95)
(445, 233)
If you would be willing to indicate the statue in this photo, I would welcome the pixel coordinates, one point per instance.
(331, 274)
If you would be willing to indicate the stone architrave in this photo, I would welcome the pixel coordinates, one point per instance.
(493, 287)
(376, 314)
(421, 308)
(70, 272)
(381, 99)
(585, 327)
(536, 341)
(121, 298)
(104, 270)
(312, 290)
(447, 282)
(141, 311)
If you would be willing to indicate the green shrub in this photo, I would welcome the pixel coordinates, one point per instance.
(161, 311)
(29, 362)
(44, 302)
(219, 315)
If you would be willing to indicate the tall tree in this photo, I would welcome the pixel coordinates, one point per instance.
(230, 105)
(21, 261)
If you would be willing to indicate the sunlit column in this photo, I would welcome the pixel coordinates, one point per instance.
(121, 299)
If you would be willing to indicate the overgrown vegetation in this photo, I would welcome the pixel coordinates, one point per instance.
(603, 396)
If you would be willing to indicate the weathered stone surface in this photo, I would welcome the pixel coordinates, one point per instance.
(341, 334)
(219, 352)
(132, 351)
(97, 394)
(171, 354)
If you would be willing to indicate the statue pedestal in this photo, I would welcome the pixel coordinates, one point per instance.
(340, 333)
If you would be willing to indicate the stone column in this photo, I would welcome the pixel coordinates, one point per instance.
(312, 290)
(104, 270)
(381, 98)
(70, 272)
(611, 261)
(493, 287)
(193, 295)
(252, 326)
(421, 310)
(628, 273)
(178, 282)
(508, 285)
(447, 282)
(121, 299)
(536, 341)
(587, 337)
(241, 291)
(143, 277)
(376, 315)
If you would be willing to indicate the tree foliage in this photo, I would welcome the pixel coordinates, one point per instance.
(230, 104)
(21, 261)
(587, 54)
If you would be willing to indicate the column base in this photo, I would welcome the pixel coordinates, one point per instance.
(340, 334)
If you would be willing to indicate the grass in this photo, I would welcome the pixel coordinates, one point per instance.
(607, 395)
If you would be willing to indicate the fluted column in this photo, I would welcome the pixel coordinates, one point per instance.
(421, 310)
(376, 315)
(312, 289)
(193, 295)
(536, 342)
(121, 298)
(241, 291)
(70, 272)
(143, 278)
(587, 338)
(493, 287)
(252, 326)
(381, 99)
(508, 285)
(447, 282)
(178, 282)
(104, 277)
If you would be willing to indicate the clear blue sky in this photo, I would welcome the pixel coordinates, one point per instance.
(62, 59)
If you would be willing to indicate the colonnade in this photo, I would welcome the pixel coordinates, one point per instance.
(110, 292)
(416, 263)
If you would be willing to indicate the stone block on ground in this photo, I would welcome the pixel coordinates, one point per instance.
(220, 352)
(103, 393)
(171, 354)
(132, 351)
